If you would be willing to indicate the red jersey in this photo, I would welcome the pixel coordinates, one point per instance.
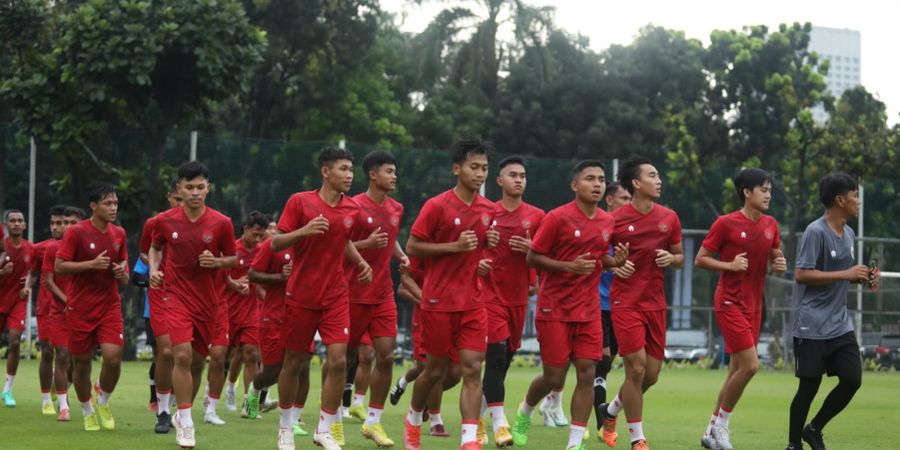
(507, 284)
(272, 262)
(44, 297)
(93, 292)
(242, 309)
(55, 307)
(317, 281)
(11, 284)
(451, 280)
(566, 233)
(371, 216)
(186, 282)
(658, 229)
(731, 235)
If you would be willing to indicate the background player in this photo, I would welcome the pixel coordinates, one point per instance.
(14, 294)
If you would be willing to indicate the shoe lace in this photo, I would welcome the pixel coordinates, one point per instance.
(337, 431)
(413, 433)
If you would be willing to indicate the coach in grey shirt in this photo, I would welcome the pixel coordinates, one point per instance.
(824, 342)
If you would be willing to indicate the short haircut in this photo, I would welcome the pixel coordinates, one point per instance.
(329, 155)
(630, 171)
(750, 179)
(191, 170)
(515, 159)
(99, 191)
(256, 218)
(834, 184)
(462, 149)
(173, 186)
(581, 165)
(376, 159)
(12, 211)
(75, 211)
(612, 187)
(58, 210)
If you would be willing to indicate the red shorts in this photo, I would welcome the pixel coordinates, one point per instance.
(43, 327)
(375, 319)
(450, 332)
(333, 325)
(271, 346)
(221, 331)
(418, 349)
(202, 333)
(506, 323)
(57, 330)
(14, 319)
(739, 328)
(159, 303)
(636, 330)
(562, 342)
(247, 333)
(86, 336)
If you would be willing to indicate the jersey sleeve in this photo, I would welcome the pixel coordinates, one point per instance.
(35, 264)
(810, 249)
(226, 239)
(292, 216)
(49, 262)
(68, 246)
(123, 248)
(776, 240)
(716, 236)
(675, 237)
(147, 236)
(263, 258)
(546, 235)
(424, 226)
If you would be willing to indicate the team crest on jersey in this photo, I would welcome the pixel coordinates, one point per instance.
(606, 236)
(395, 221)
(631, 228)
(769, 234)
(663, 227)
(27, 258)
(207, 238)
(348, 222)
(485, 219)
(526, 224)
(117, 246)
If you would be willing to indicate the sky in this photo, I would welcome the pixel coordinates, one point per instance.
(617, 22)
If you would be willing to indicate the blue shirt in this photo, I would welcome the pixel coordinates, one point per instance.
(606, 280)
(143, 269)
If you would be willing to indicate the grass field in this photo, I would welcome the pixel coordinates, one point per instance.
(675, 416)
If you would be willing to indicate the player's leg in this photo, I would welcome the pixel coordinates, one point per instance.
(803, 398)
(708, 441)
(61, 379)
(602, 371)
(495, 364)
(403, 382)
(45, 371)
(14, 337)
(470, 396)
(250, 359)
(844, 362)
(165, 362)
(301, 397)
(580, 408)
(110, 371)
(235, 359)
(431, 377)
(332, 390)
(215, 381)
(361, 373)
(380, 382)
(552, 377)
(81, 381)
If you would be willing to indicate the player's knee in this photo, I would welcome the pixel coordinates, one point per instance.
(752, 368)
(384, 361)
(183, 358)
(165, 355)
(850, 381)
(337, 366)
(495, 358)
(47, 356)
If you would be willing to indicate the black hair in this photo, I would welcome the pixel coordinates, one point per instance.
(12, 211)
(581, 165)
(834, 184)
(58, 210)
(612, 187)
(630, 171)
(460, 150)
(191, 170)
(515, 159)
(75, 211)
(328, 155)
(750, 179)
(99, 191)
(173, 186)
(376, 159)
(256, 218)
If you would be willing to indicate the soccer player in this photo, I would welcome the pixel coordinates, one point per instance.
(316, 226)
(506, 280)
(198, 242)
(824, 341)
(372, 307)
(94, 253)
(14, 295)
(243, 311)
(570, 248)
(653, 233)
(57, 328)
(449, 234)
(746, 241)
(616, 196)
(44, 297)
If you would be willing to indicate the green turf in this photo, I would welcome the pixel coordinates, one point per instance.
(675, 416)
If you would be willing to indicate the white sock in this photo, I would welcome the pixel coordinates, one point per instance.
(576, 435)
(358, 399)
(162, 402)
(184, 417)
(45, 397)
(712, 423)
(637, 430)
(87, 408)
(296, 411)
(230, 386)
(63, 399)
(252, 390)
(526, 409)
(724, 416)
(414, 417)
(374, 415)
(498, 416)
(556, 396)
(435, 418)
(615, 406)
(9, 382)
(325, 421)
(103, 398)
(484, 407)
(402, 382)
(469, 433)
(211, 405)
(287, 418)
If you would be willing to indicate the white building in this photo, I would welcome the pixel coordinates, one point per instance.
(842, 48)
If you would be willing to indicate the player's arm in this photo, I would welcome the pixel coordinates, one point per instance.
(365, 270)
(50, 285)
(63, 267)
(315, 227)
(778, 261)
(673, 257)
(617, 258)
(812, 277)
(582, 265)
(400, 255)
(409, 289)
(706, 260)
(466, 242)
(377, 239)
(266, 279)
(155, 257)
